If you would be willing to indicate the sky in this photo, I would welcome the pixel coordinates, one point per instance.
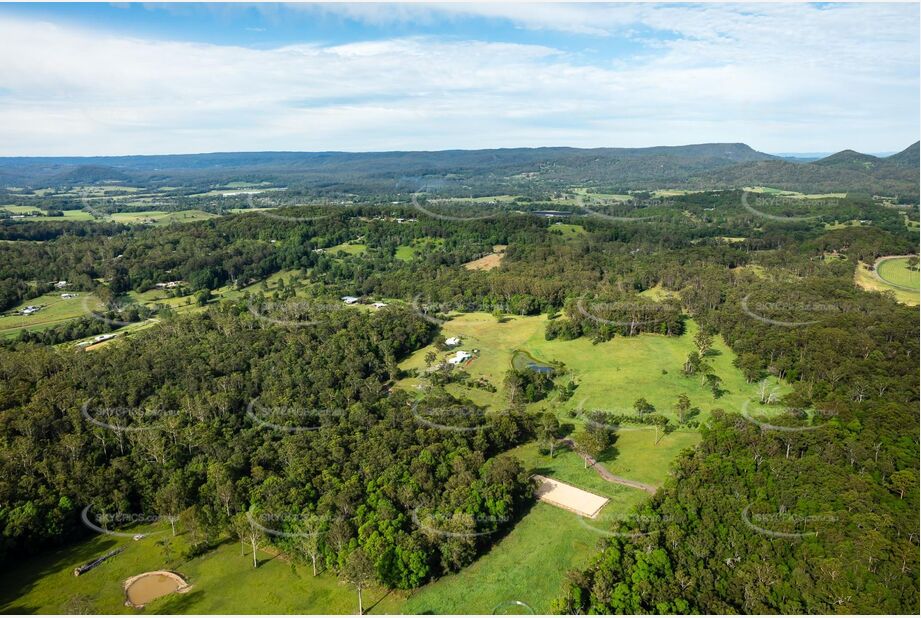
(108, 79)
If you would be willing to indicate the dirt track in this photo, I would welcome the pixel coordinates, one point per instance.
(605, 473)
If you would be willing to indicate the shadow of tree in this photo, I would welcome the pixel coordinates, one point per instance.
(21, 576)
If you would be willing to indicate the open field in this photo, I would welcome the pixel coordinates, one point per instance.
(161, 217)
(55, 311)
(405, 253)
(568, 231)
(638, 457)
(596, 195)
(895, 271)
(489, 261)
(350, 248)
(868, 280)
(222, 581)
(611, 375)
(529, 564)
(658, 293)
(36, 214)
(795, 194)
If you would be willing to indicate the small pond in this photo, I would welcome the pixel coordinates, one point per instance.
(521, 361)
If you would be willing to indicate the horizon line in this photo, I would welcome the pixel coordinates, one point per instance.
(790, 153)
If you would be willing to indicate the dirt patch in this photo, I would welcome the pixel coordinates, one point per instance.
(488, 261)
(144, 588)
(568, 497)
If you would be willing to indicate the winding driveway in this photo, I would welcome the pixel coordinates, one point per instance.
(605, 473)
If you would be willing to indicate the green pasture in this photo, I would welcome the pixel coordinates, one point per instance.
(611, 375)
(896, 272)
(55, 310)
(223, 581)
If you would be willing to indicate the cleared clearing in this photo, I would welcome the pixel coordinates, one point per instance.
(895, 272)
(488, 262)
(569, 497)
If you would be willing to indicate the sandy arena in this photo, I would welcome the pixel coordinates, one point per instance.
(568, 497)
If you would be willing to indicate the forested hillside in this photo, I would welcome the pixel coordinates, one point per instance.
(480, 172)
(323, 451)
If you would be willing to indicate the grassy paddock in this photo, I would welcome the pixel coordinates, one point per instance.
(56, 311)
(530, 563)
(867, 279)
(611, 375)
(222, 581)
(348, 248)
(895, 271)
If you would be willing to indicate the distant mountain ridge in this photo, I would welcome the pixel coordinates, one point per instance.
(848, 170)
(714, 165)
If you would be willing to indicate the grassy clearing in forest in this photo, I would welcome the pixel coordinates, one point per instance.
(55, 310)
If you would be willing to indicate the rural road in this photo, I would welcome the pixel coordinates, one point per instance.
(605, 473)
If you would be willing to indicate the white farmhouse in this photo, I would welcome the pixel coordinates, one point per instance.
(459, 357)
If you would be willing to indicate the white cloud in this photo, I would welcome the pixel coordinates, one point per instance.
(781, 78)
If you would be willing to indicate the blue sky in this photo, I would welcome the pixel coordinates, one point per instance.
(85, 79)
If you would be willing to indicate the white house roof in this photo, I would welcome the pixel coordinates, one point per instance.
(459, 357)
